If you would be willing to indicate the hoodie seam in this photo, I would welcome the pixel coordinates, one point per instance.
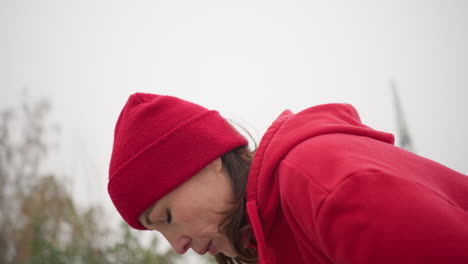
(360, 173)
(318, 245)
(324, 201)
(297, 168)
(341, 183)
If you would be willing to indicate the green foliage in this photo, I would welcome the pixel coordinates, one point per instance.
(130, 250)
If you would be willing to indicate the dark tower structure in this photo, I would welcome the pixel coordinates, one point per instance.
(404, 138)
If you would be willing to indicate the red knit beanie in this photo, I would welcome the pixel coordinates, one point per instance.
(159, 143)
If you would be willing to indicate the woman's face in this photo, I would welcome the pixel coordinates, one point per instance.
(190, 215)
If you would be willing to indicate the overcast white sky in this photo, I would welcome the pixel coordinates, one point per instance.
(247, 59)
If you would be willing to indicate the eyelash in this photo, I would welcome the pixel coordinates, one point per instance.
(168, 216)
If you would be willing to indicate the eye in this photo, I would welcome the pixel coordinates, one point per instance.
(168, 216)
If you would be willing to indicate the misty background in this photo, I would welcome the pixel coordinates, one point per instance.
(248, 59)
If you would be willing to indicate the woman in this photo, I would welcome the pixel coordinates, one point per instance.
(321, 188)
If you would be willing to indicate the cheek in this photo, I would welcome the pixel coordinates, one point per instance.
(200, 222)
(197, 210)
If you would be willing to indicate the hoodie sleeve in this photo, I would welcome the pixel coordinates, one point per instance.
(372, 217)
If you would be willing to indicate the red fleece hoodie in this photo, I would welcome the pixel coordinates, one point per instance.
(324, 188)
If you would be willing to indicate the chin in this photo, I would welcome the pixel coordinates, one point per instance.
(230, 253)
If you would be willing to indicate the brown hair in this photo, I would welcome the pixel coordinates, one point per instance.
(237, 162)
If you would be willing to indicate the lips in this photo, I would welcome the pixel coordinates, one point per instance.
(212, 249)
(204, 251)
(209, 248)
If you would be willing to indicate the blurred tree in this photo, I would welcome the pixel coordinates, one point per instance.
(22, 147)
(130, 250)
(40, 223)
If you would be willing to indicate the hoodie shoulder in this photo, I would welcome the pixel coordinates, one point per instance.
(330, 158)
(290, 130)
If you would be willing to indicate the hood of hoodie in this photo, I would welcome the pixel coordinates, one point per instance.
(287, 131)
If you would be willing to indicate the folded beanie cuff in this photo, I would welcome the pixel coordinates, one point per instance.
(198, 141)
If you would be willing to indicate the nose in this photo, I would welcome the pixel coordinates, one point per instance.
(180, 244)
